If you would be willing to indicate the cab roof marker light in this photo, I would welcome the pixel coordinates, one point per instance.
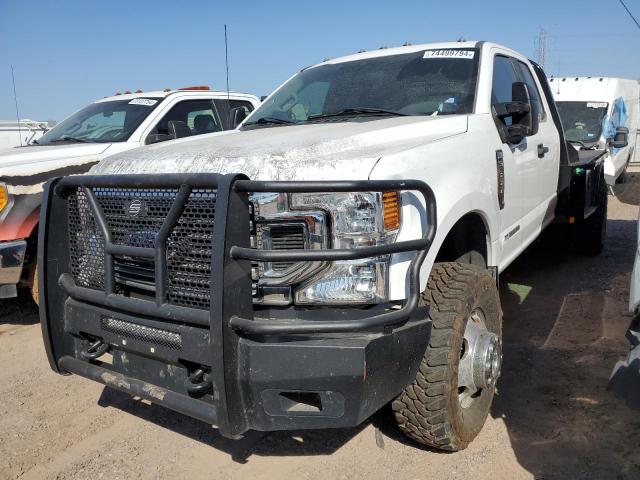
(196, 87)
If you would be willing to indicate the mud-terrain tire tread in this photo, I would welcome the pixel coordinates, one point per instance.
(423, 410)
(35, 294)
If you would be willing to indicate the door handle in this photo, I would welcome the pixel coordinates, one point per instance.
(542, 150)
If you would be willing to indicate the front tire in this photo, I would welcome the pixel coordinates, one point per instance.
(447, 404)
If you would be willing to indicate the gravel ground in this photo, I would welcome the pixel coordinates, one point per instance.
(565, 318)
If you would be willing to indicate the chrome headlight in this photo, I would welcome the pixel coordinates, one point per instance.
(357, 220)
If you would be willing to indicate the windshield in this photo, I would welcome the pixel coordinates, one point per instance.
(102, 122)
(582, 121)
(431, 82)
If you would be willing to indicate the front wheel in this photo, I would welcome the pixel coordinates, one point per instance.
(447, 404)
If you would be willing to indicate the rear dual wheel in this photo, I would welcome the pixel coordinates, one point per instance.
(447, 404)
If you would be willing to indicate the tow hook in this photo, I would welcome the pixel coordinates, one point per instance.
(95, 350)
(197, 384)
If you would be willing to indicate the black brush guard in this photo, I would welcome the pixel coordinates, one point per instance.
(235, 365)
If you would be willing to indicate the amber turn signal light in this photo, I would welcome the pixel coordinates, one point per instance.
(4, 197)
(391, 210)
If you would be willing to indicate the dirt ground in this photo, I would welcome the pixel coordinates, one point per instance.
(565, 318)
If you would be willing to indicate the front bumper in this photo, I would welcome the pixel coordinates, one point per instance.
(237, 366)
(11, 262)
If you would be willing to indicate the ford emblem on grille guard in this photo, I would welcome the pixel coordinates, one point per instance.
(135, 207)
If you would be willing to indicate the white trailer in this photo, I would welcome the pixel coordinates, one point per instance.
(601, 113)
(16, 134)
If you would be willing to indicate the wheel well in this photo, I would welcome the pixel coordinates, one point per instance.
(31, 254)
(466, 242)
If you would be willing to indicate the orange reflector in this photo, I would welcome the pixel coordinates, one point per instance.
(4, 197)
(197, 87)
(391, 210)
(572, 220)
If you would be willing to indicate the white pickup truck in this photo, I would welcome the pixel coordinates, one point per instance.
(110, 125)
(338, 252)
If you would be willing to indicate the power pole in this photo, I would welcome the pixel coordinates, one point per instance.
(541, 47)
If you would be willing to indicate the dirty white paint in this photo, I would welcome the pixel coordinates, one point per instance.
(323, 151)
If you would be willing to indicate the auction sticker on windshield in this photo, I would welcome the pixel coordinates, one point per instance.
(596, 104)
(143, 101)
(449, 53)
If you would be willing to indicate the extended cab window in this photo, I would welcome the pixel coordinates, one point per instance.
(536, 102)
(187, 118)
(225, 106)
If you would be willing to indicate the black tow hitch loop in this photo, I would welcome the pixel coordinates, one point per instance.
(197, 384)
(95, 350)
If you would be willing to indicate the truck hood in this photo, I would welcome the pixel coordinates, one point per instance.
(320, 151)
(24, 169)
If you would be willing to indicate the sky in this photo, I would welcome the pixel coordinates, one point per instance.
(67, 53)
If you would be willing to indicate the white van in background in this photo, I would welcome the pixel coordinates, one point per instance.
(600, 113)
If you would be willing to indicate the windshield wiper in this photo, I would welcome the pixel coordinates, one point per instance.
(67, 138)
(270, 121)
(350, 112)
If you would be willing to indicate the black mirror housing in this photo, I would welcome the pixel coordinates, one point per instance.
(237, 115)
(524, 118)
(621, 139)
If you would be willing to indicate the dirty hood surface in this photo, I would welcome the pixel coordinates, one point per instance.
(321, 151)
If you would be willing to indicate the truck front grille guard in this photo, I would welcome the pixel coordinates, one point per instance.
(230, 247)
(231, 314)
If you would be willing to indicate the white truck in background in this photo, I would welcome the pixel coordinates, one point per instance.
(107, 126)
(601, 113)
(337, 252)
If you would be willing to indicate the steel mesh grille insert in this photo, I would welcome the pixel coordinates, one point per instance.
(86, 245)
(142, 333)
(134, 217)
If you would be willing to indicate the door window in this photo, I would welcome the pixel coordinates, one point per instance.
(503, 77)
(195, 117)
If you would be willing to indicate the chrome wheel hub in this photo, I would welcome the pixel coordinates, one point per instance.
(480, 359)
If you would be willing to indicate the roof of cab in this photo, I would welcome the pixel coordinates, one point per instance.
(381, 52)
(165, 93)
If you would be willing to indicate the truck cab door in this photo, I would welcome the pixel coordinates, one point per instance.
(511, 163)
(534, 159)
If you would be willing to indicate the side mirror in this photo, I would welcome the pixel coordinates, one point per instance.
(524, 118)
(621, 139)
(237, 115)
(178, 129)
(264, 97)
(157, 138)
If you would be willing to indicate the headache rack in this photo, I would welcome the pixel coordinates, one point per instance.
(169, 260)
